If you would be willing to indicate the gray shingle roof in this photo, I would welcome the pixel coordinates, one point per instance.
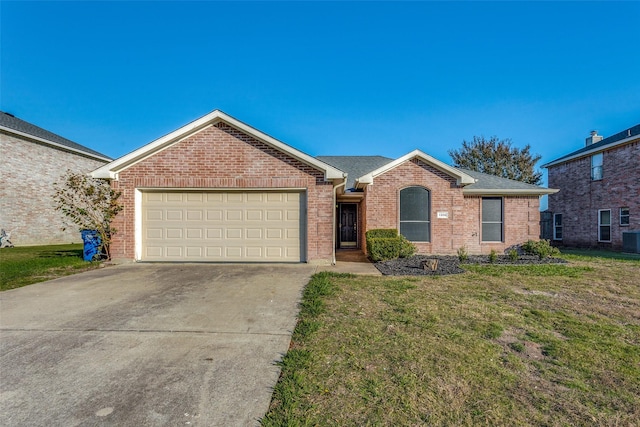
(632, 131)
(492, 182)
(11, 122)
(355, 166)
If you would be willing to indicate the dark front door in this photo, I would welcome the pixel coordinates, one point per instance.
(348, 225)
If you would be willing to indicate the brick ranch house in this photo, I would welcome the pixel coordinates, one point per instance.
(220, 190)
(599, 197)
(32, 160)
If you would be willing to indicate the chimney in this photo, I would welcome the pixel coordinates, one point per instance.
(593, 138)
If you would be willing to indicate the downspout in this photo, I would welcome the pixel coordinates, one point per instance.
(335, 230)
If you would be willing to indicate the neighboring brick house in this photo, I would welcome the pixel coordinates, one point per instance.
(32, 160)
(599, 195)
(219, 190)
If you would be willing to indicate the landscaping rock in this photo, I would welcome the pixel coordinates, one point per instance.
(449, 264)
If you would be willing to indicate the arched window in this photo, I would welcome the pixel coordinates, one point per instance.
(415, 217)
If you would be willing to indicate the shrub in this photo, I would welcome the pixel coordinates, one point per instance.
(541, 248)
(462, 254)
(384, 244)
(89, 204)
(493, 256)
(383, 248)
(513, 255)
(381, 233)
(407, 249)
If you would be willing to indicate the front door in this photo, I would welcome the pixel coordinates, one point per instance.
(348, 225)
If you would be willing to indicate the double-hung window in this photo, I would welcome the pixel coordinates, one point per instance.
(624, 216)
(557, 226)
(415, 217)
(596, 167)
(492, 230)
(604, 225)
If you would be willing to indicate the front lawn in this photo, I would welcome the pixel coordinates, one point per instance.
(519, 345)
(25, 265)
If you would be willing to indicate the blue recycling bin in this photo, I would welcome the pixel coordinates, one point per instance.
(91, 240)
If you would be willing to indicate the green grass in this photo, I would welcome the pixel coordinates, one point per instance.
(590, 254)
(25, 265)
(547, 345)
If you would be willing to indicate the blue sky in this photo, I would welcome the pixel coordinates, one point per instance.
(357, 78)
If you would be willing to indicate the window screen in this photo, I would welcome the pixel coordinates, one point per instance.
(415, 214)
(491, 219)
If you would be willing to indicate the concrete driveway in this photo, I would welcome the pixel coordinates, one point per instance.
(147, 345)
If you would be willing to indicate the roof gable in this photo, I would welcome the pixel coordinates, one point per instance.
(461, 177)
(19, 127)
(110, 170)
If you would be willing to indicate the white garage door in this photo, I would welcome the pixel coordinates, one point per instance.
(222, 226)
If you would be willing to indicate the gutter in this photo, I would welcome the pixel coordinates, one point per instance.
(497, 192)
(590, 152)
(334, 230)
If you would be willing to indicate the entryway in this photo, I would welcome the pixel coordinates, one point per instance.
(348, 225)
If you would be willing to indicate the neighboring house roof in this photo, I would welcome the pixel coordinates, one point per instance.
(355, 166)
(16, 126)
(461, 177)
(494, 185)
(619, 138)
(110, 170)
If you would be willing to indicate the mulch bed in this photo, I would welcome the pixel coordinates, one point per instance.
(449, 264)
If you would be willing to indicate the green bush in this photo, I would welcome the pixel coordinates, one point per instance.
(513, 255)
(381, 233)
(383, 248)
(493, 256)
(384, 244)
(541, 248)
(407, 249)
(462, 254)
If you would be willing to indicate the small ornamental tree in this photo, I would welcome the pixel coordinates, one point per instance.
(88, 203)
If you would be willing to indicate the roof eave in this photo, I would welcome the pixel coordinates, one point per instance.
(55, 144)
(570, 157)
(112, 169)
(509, 192)
(461, 177)
(363, 181)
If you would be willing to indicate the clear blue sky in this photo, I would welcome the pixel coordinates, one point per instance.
(358, 78)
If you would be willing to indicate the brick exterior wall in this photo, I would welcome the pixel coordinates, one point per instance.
(222, 157)
(463, 225)
(580, 198)
(29, 170)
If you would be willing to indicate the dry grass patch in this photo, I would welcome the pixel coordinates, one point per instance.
(494, 346)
